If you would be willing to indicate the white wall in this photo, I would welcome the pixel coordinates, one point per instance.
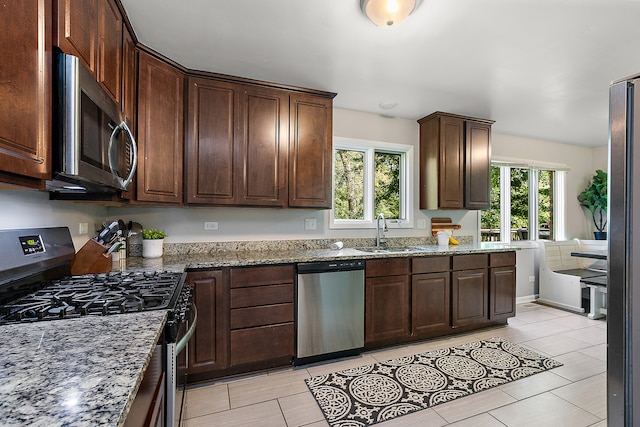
(601, 158)
(33, 209)
(30, 208)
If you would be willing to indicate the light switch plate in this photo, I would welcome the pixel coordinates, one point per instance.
(310, 224)
(210, 225)
(83, 228)
(422, 223)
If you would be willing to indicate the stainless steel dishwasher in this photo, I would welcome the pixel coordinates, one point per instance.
(329, 310)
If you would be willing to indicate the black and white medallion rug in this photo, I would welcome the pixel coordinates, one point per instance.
(374, 393)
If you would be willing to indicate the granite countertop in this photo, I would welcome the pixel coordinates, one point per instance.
(75, 372)
(222, 258)
(86, 371)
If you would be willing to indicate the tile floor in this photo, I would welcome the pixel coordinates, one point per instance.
(571, 395)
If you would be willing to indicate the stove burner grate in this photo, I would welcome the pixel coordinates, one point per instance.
(95, 294)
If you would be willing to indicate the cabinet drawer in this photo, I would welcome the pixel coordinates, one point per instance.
(469, 262)
(435, 264)
(261, 295)
(387, 267)
(502, 259)
(260, 344)
(260, 316)
(261, 276)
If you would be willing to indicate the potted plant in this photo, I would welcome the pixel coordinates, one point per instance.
(152, 242)
(594, 198)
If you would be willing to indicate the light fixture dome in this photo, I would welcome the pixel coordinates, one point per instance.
(387, 13)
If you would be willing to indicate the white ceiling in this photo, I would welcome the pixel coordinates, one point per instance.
(539, 68)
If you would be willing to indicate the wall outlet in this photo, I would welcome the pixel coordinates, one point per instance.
(532, 279)
(210, 225)
(83, 228)
(310, 224)
(422, 224)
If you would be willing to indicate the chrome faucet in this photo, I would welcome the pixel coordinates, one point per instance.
(380, 238)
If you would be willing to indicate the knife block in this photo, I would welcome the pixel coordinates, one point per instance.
(91, 259)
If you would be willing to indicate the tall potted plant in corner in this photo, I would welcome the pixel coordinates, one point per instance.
(152, 243)
(594, 198)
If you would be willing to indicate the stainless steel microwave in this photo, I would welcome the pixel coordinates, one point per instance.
(93, 148)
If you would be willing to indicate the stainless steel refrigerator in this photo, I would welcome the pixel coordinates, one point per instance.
(623, 314)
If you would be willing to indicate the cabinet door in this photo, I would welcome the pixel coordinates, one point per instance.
(262, 156)
(209, 346)
(430, 303)
(502, 298)
(386, 308)
(477, 165)
(160, 131)
(25, 110)
(211, 142)
(76, 30)
(310, 151)
(469, 297)
(129, 78)
(450, 179)
(110, 48)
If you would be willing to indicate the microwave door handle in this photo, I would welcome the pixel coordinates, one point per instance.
(134, 153)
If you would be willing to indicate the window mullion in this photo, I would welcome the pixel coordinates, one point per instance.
(533, 204)
(369, 185)
(505, 204)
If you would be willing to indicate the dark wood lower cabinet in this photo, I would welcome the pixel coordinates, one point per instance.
(503, 292)
(246, 314)
(470, 293)
(209, 346)
(147, 408)
(430, 303)
(386, 308)
(263, 343)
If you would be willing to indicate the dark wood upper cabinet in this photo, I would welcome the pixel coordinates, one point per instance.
(160, 131)
(262, 177)
(76, 34)
(477, 182)
(129, 90)
(310, 151)
(110, 49)
(92, 31)
(25, 90)
(212, 142)
(455, 157)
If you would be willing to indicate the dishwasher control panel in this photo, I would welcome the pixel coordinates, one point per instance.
(321, 266)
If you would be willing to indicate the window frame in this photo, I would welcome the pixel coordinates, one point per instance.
(406, 182)
(559, 200)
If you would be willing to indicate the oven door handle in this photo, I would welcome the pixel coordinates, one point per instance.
(187, 336)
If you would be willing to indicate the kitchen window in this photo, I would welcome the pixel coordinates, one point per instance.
(369, 178)
(523, 198)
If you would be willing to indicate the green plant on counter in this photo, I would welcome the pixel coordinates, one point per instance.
(153, 234)
(594, 198)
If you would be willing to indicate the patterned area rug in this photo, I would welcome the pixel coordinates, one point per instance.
(374, 393)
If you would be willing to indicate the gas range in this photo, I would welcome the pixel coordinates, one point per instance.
(97, 294)
(36, 285)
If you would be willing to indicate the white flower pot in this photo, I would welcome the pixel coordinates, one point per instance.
(152, 248)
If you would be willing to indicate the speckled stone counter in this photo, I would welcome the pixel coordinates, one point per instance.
(75, 372)
(223, 258)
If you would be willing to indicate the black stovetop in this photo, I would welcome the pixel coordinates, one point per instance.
(95, 294)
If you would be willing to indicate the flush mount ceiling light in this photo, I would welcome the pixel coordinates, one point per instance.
(388, 13)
